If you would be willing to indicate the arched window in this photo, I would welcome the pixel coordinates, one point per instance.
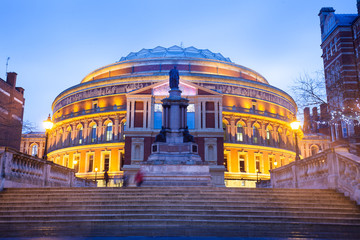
(93, 133)
(68, 137)
(239, 133)
(80, 135)
(34, 150)
(256, 135)
(268, 136)
(109, 132)
(314, 150)
(123, 128)
(224, 125)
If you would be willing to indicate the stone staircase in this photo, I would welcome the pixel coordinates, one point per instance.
(178, 211)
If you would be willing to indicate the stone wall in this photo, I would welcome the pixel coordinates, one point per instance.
(21, 170)
(332, 169)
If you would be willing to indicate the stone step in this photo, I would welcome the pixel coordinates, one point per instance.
(187, 193)
(124, 197)
(176, 216)
(153, 228)
(180, 202)
(166, 189)
(265, 212)
(235, 207)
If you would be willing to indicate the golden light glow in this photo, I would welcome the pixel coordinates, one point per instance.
(96, 169)
(275, 163)
(48, 124)
(75, 162)
(295, 125)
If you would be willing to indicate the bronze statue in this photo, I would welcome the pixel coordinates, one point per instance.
(174, 78)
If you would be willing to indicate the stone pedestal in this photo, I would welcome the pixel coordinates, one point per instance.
(174, 158)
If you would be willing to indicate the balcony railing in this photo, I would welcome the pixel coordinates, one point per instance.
(256, 112)
(114, 108)
(74, 143)
(123, 108)
(264, 143)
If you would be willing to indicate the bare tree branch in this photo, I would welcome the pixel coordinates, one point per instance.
(309, 90)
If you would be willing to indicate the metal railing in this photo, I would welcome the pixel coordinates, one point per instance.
(114, 108)
(256, 112)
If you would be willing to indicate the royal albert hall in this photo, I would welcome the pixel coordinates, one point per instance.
(112, 117)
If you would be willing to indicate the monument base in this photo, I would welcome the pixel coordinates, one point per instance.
(177, 175)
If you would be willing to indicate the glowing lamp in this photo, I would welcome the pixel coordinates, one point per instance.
(295, 125)
(96, 169)
(48, 124)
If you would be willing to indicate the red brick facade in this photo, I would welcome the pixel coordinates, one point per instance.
(11, 111)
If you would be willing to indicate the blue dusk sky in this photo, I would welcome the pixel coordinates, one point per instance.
(53, 44)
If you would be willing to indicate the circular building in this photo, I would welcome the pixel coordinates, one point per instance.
(112, 117)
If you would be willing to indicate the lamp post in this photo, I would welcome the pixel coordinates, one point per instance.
(48, 124)
(96, 169)
(257, 175)
(275, 163)
(295, 126)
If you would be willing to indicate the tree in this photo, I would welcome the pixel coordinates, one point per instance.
(28, 127)
(309, 90)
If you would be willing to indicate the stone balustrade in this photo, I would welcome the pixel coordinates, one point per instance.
(332, 169)
(21, 170)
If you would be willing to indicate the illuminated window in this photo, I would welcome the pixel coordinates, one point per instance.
(255, 135)
(271, 163)
(109, 132)
(106, 161)
(80, 135)
(239, 132)
(191, 116)
(66, 161)
(226, 162)
(314, 150)
(257, 163)
(76, 163)
(242, 163)
(158, 115)
(34, 150)
(91, 163)
(268, 136)
(93, 133)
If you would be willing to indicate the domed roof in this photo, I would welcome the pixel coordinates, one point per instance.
(176, 52)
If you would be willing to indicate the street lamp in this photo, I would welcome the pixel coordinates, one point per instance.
(96, 169)
(48, 124)
(257, 175)
(275, 163)
(295, 126)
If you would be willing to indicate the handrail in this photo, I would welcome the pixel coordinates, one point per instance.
(332, 169)
(21, 170)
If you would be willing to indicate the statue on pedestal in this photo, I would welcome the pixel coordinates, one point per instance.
(174, 78)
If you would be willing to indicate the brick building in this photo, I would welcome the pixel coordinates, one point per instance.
(11, 111)
(340, 45)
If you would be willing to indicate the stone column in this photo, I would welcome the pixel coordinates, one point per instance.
(232, 130)
(203, 114)
(216, 103)
(116, 127)
(145, 104)
(132, 114)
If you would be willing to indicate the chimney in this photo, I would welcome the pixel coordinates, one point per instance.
(315, 119)
(323, 14)
(306, 126)
(323, 112)
(11, 78)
